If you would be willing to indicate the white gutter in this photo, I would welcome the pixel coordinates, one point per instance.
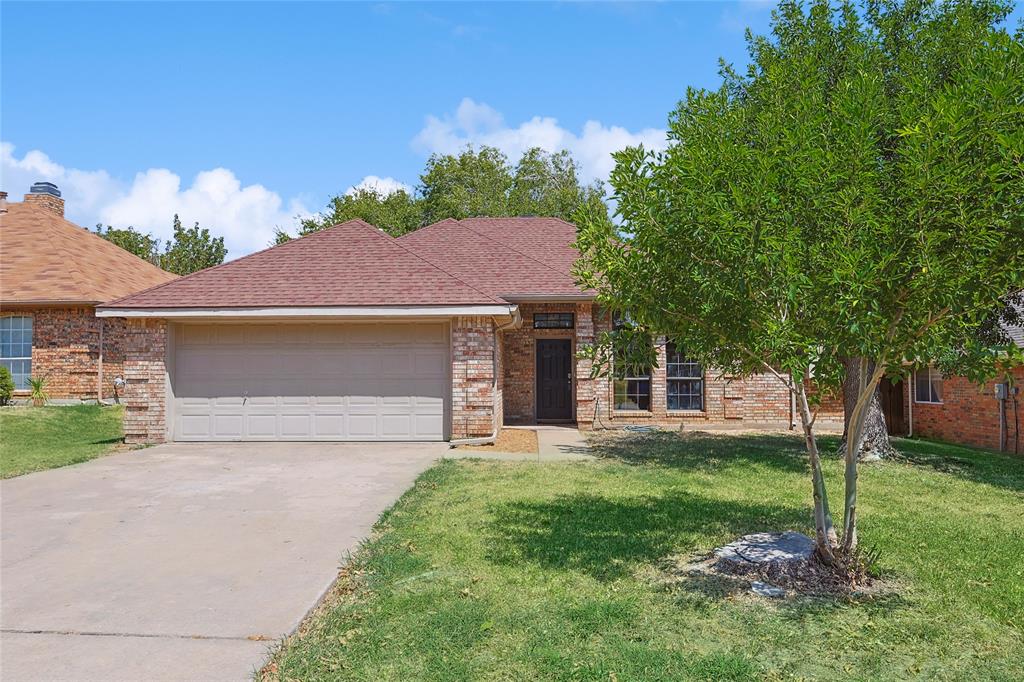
(312, 312)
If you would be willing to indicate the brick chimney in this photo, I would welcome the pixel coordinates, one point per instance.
(46, 195)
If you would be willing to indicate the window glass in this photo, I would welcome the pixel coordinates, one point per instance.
(684, 380)
(553, 320)
(632, 384)
(928, 386)
(16, 348)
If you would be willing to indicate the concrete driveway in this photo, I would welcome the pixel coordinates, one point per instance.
(183, 561)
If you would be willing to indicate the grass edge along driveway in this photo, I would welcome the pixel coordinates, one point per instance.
(38, 438)
(497, 570)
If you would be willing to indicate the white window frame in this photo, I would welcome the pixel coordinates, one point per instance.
(5, 359)
(933, 376)
(670, 348)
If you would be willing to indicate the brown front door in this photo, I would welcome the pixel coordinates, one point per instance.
(554, 379)
(893, 406)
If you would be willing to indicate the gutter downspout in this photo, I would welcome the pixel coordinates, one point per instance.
(99, 370)
(910, 406)
(488, 440)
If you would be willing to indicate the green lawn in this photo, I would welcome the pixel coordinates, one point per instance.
(506, 571)
(35, 438)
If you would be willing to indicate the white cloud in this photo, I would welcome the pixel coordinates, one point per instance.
(382, 186)
(245, 216)
(742, 15)
(478, 124)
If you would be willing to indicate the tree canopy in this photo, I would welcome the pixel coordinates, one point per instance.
(475, 182)
(188, 250)
(856, 193)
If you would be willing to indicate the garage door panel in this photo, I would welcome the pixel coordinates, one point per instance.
(309, 382)
(262, 426)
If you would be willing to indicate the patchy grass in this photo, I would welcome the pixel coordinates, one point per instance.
(498, 571)
(36, 438)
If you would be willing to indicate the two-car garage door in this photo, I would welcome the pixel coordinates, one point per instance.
(357, 382)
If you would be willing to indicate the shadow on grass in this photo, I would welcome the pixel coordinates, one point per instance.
(981, 466)
(608, 537)
(707, 451)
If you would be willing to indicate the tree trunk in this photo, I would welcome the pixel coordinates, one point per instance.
(875, 445)
(825, 533)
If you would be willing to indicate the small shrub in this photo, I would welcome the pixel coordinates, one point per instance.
(6, 385)
(39, 394)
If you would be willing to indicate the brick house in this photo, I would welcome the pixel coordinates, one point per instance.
(53, 273)
(446, 333)
(953, 409)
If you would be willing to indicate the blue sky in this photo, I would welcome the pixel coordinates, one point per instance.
(242, 115)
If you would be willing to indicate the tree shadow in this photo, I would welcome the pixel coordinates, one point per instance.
(705, 451)
(607, 538)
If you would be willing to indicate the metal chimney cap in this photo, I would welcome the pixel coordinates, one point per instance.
(45, 188)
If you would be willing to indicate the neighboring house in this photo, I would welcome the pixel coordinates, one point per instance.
(53, 273)
(955, 410)
(448, 332)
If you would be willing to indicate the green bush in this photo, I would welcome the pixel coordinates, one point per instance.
(6, 385)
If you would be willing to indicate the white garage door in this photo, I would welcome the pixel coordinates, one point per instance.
(310, 382)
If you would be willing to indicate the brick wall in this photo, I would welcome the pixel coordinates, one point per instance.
(66, 351)
(759, 399)
(474, 361)
(519, 352)
(145, 401)
(47, 201)
(969, 413)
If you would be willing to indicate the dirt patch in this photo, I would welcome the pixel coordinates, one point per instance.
(776, 566)
(509, 440)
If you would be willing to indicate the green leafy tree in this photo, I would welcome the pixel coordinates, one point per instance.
(395, 213)
(469, 184)
(472, 183)
(856, 194)
(192, 249)
(143, 245)
(546, 184)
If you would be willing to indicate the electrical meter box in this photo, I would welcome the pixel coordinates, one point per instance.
(1000, 391)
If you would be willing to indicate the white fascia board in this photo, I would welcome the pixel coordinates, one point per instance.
(312, 312)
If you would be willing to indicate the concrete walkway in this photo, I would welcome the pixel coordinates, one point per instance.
(183, 561)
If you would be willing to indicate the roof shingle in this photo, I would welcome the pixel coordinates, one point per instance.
(47, 259)
(351, 264)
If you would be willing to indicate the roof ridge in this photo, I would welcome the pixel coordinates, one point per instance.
(515, 250)
(237, 260)
(436, 266)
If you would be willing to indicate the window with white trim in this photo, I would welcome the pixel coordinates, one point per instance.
(632, 384)
(16, 348)
(928, 386)
(684, 380)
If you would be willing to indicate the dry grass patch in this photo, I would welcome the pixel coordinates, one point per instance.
(509, 440)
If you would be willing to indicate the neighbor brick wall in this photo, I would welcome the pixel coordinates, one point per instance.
(145, 371)
(66, 350)
(473, 377)
(969, 413)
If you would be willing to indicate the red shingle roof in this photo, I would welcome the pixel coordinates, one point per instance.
(548, 240)
(47, 259)
(352, 264)
(504, 257)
